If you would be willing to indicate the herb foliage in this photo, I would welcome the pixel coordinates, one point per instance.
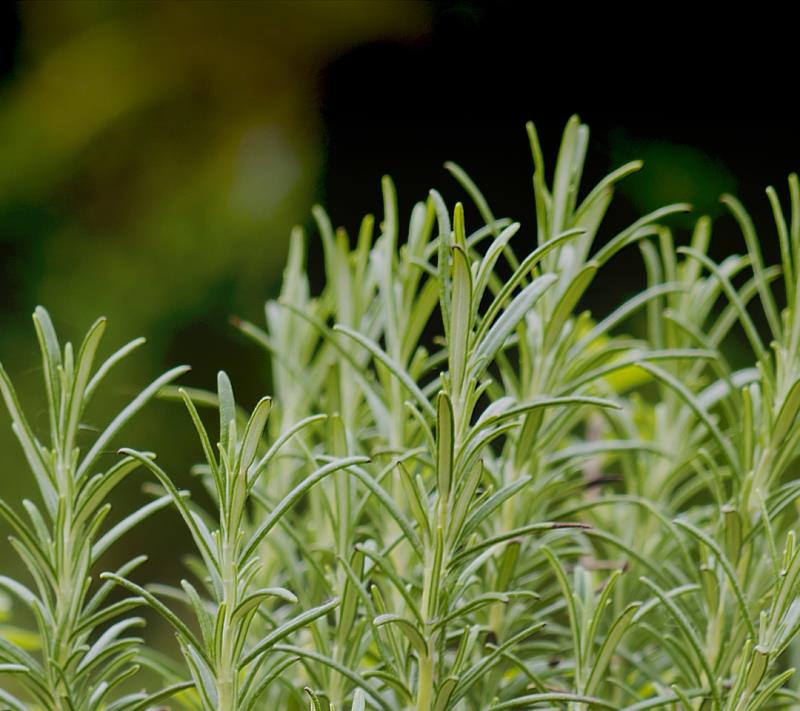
(468, 494)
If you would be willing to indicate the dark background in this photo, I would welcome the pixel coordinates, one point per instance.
(154, 156)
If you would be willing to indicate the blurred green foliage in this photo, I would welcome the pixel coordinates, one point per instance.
(684, 173)
(152, 149)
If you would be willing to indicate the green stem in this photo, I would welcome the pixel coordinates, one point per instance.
(227, 686)
(65, 604)
(425, 687)
(430, 601)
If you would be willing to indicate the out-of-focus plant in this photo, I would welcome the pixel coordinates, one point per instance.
(181, 143)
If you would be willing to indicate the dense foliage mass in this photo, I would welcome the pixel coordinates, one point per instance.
(466, 494)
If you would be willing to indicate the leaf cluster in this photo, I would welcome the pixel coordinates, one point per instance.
(468, 493)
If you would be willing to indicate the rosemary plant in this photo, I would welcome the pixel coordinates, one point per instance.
(495, 500)
(227, 674)
(83, 648)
